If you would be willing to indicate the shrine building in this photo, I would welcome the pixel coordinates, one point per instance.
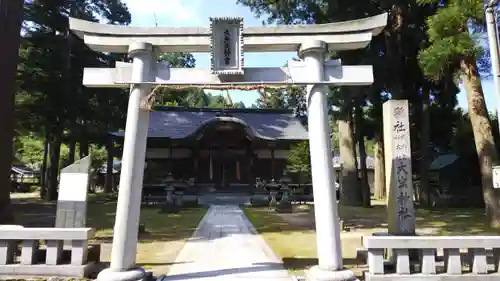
(219, 148)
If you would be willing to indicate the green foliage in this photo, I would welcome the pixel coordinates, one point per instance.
(271, 98)
(299, 161)
(99, 156)
(178, 59)
(449, 37)
(29, 150)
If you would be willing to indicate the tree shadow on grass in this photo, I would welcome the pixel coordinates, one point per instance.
(443, 221)
(455, 221)
(158, 226)
(101, 211)
(34, 212)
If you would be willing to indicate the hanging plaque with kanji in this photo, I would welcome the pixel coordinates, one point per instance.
(226, 48)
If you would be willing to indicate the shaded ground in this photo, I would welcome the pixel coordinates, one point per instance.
(292, 236)
(164, 237)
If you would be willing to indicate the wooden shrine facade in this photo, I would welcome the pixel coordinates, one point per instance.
(219, 147)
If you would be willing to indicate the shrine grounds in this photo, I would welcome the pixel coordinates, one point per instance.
(291, 236)
(163, 237)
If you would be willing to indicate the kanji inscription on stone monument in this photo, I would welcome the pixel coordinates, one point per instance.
(401, 212)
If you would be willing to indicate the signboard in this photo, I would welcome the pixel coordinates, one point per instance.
(496, 176)
(226, 45)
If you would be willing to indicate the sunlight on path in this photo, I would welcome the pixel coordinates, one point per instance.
(225, 246)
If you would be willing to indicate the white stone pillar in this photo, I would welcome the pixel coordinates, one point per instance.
(128, 209)
(329, 250)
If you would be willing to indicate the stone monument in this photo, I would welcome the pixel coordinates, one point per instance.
(227, 40)
(398, 171)
(72, 200)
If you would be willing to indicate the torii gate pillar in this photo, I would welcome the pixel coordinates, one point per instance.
(128, 209)
(328, 245)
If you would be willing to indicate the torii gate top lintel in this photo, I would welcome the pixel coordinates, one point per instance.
(339, 36)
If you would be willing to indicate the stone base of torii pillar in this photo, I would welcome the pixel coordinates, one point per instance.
(315, 273)
(136, 274)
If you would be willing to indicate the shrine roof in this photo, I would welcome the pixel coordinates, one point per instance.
(180, 122)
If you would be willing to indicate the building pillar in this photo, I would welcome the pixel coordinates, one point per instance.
(273, 168)
(250, 160)
(169, 160)
(329, 251)
(195, 153)
(211, 165)
(128, 209)
(238, 172)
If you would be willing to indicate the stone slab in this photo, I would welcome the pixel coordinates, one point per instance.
(431, 242)
(47, 270)
(46, 233)
(432, 277)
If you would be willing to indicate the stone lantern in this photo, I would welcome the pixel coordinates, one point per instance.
(285, 205)
(285, 181)
(170, 205)
(260, 196)
(258, 183)
(169, 182)
(273, 191)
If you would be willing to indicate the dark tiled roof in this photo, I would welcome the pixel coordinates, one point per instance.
(179, 123)
(23, 169)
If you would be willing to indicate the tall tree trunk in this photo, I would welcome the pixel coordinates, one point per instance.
(394, 50)
(352, 128)
(483, 137)
(53, 167)
(108, 187)
(379, 177)
(365, 186)
(350, 192)
(10, 25)
(43, 171)
(72, 148)
(72, 103)
(424, 149)
(84, 143)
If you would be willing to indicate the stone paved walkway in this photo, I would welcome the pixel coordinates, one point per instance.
(226, 247)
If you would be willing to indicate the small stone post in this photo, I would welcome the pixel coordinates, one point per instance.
(128, 209)
(329, 249)
(398, 171)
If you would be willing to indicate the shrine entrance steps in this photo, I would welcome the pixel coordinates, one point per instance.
(224, 198)
(225, 246)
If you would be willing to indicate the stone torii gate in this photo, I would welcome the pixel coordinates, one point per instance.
(227, 40)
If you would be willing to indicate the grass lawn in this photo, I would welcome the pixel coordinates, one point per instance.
(292, 236)
(165, 233)
(158, 247)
